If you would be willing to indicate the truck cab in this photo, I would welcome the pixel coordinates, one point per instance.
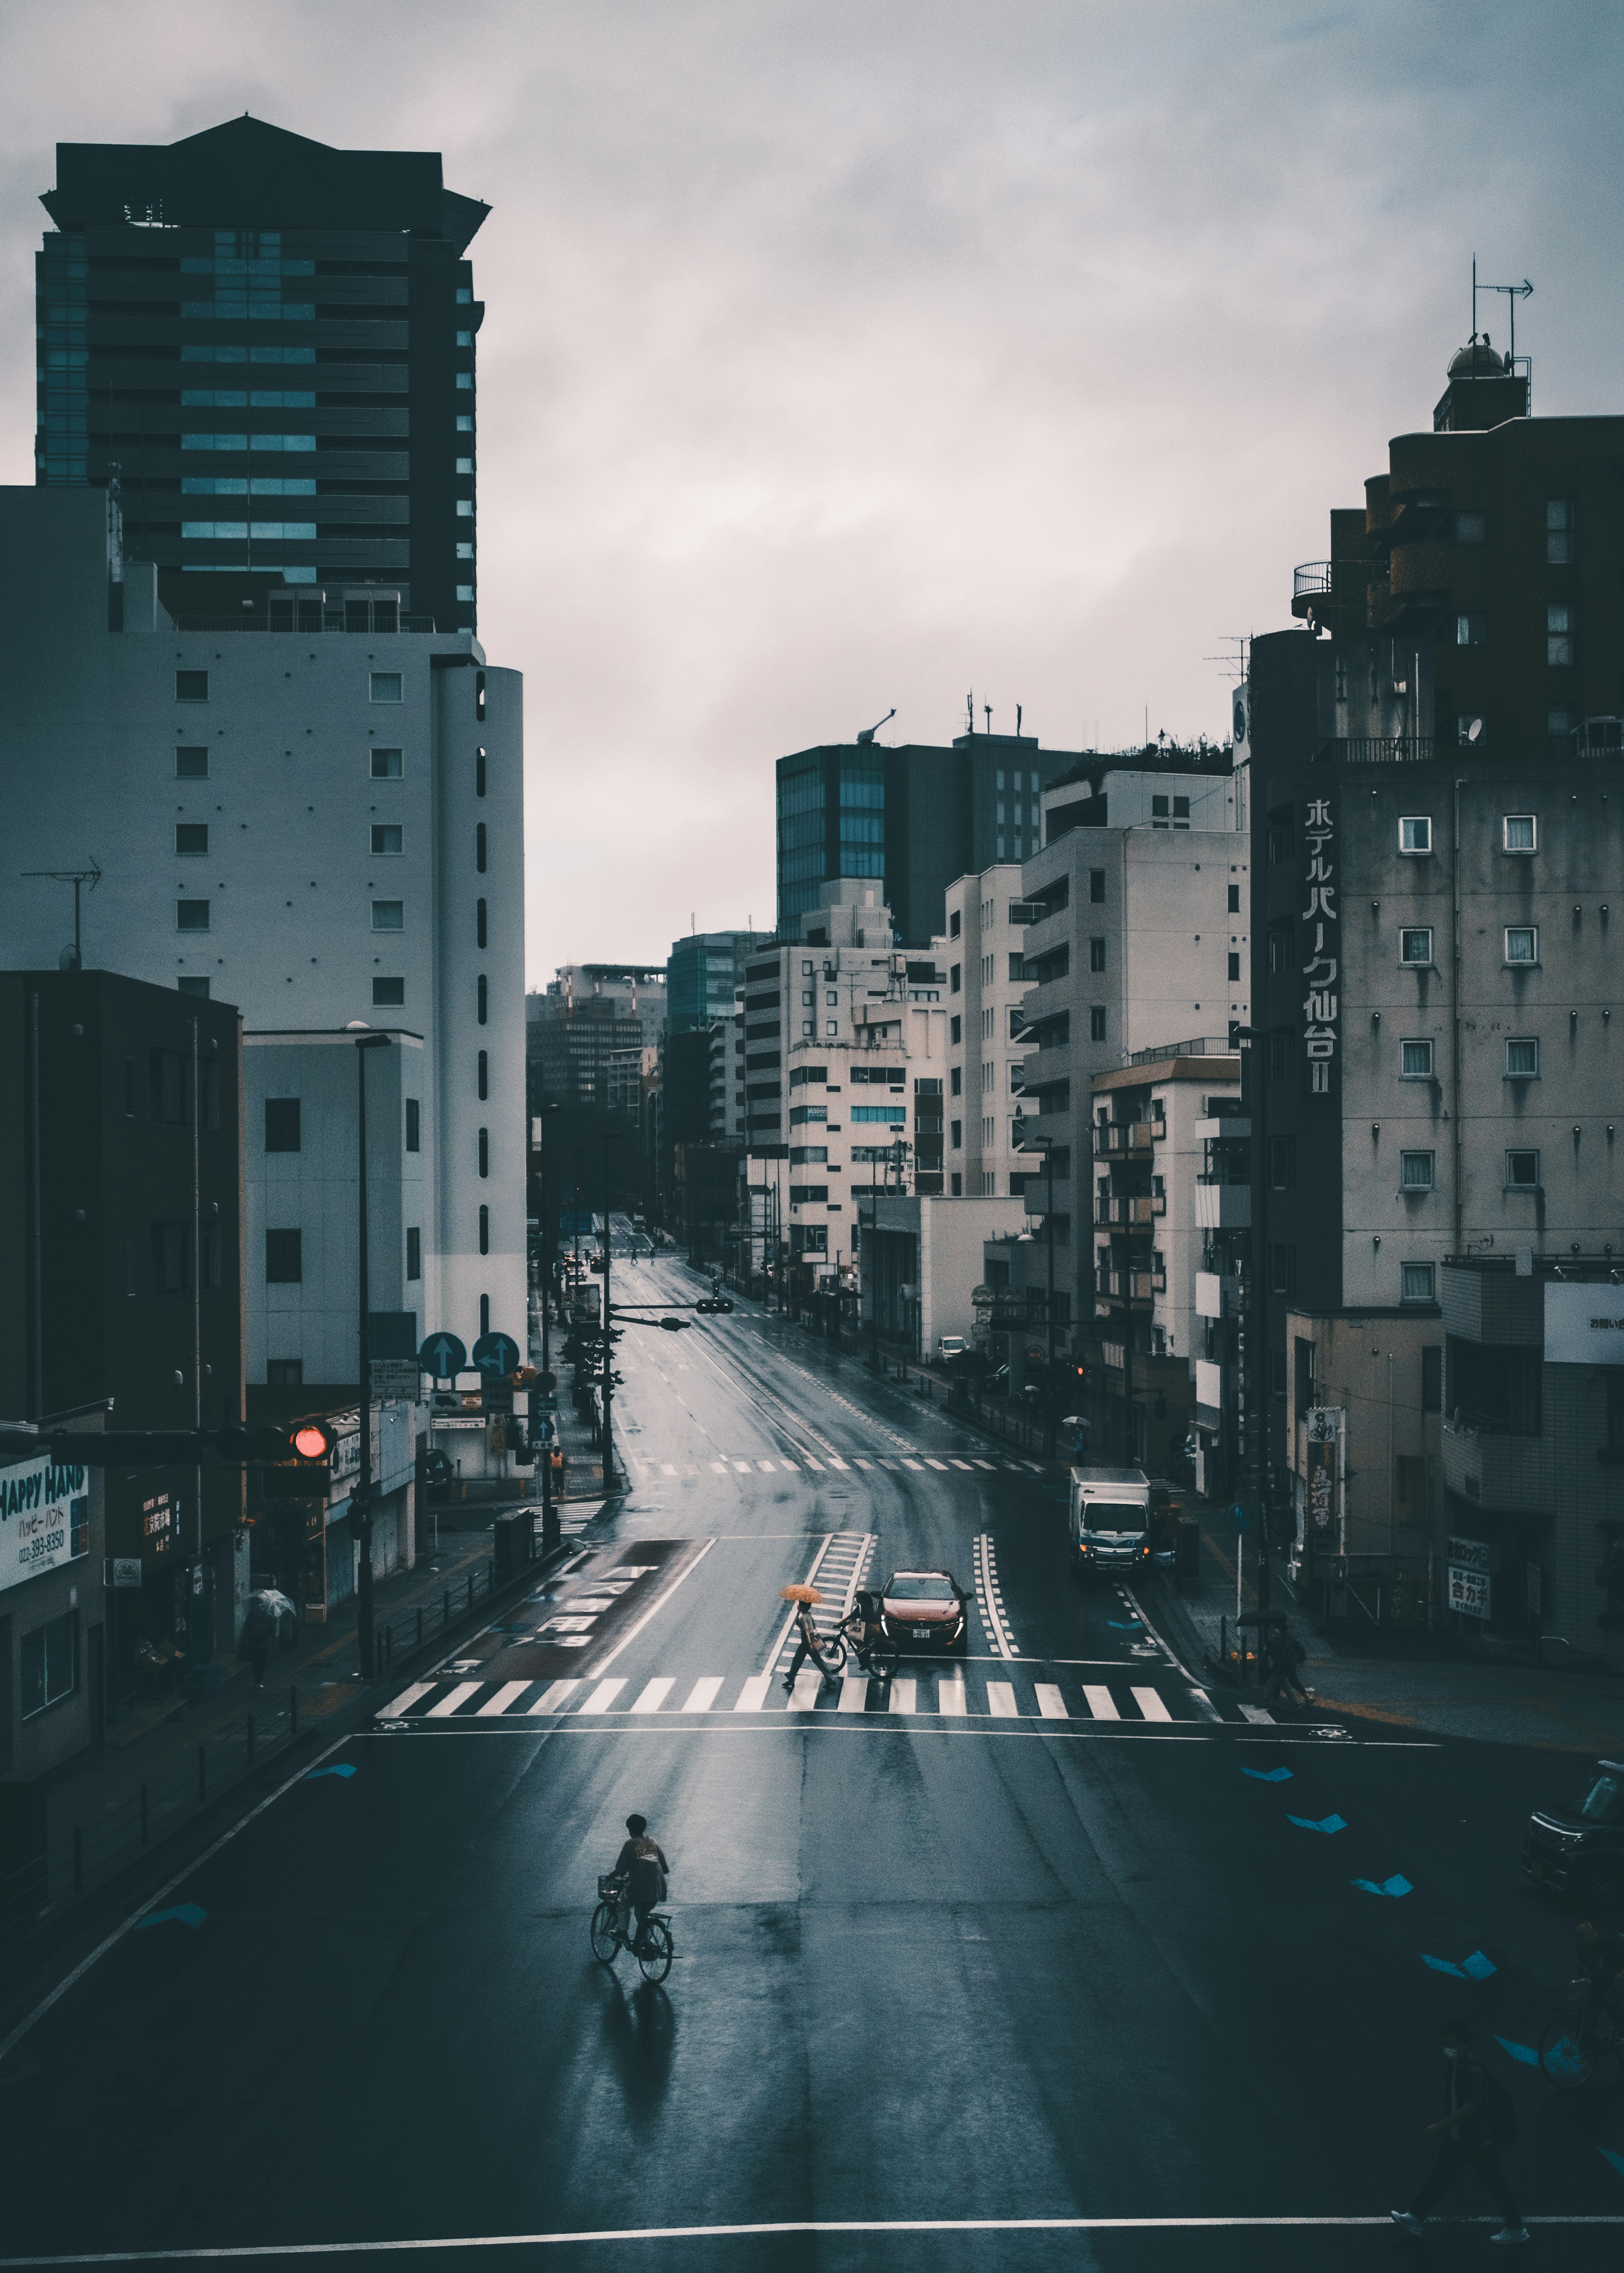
(1109, 1526)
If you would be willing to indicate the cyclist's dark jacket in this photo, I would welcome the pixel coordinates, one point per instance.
(646, 1867)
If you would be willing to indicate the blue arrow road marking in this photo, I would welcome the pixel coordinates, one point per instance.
(1307, 1823)
(184, 1914)
(1474, 1968)
(1122, 1625)
(341, 1771)
(1269, 1775)
(1395, 1887)
(1526, 2053)
(1617, 2160)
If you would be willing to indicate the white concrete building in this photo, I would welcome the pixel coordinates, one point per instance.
(320, 827)
(987, 987)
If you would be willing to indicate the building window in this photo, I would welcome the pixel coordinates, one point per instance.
(485, 1230)
(1096, 954)
(1467, 727)
(1416, 946)
(955, 978)
(955, 1030)
(953, 924)
(1235, 899)
(1414, 833)
(285, 1373)
(479, 848)
(50, 1664)
(1283, 1269)
(482, 995)
(284, 1258)
(389, 994)
(1096, 885)
(1560, 732)
(479, 772)
(386, 765)
(1432, 1380)
(1522, 1172)
(388, 915)
(831, 1027)
(1522, 1057)
(191, 839)
(1278, 846)
(1282, 1163)
(1096, 1022)
(956, 1132)
(481, 923)
(1235, 967)
(1416, 1170)
(1522, 832)
(1471, 528)
(1521, 943)
(385, 686)
(1279, 936)
(414, 1251)
(1559, 635)
(1415, 1060)
(198, 986)
(955, 1081)
(1415, 1282)
(192, 915)
(482, 1076)
(1471, 631)
(414, 1125)
(191, 765)
(282, 1124)
(191, 686)
(484, 1151)
(955, 1185)
(1559, 532)
(387, 840)
(1159, 806)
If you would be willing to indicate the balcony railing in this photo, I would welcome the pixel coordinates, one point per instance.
(1114, 1139)
(1136, 1207)
(1129, 1285)
(367, 621)
(1312, 576)
(1378, 750)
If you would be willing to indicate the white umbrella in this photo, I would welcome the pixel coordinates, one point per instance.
(274, 1600)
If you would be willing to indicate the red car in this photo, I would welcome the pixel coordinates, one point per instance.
(924, 1610)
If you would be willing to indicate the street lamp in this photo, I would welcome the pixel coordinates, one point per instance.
(361, 1497)
(1046, 1146)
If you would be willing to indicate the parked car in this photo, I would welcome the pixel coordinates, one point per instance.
(1578, 1848)
(950, 1346)
(924, 1610)
(713, 1302)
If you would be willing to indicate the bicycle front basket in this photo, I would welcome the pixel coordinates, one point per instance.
(608, 1888)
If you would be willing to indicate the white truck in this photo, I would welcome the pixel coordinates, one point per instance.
(1109, 1528)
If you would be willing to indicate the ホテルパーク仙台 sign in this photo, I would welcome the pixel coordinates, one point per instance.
(44, 1517)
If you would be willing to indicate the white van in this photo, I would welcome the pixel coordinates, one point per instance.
(1109, 1526)
(950, 1345)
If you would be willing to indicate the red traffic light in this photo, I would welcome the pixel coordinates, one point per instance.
(312, 1440)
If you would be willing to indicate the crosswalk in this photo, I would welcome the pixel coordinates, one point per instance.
(951, 1694)
(732, 1464)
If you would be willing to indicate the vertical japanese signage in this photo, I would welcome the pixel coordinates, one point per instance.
(1322, 971)
(1466, 1567)
(1322, 1524)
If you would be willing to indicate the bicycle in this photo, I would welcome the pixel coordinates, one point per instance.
(654, 1949)
(1575, 2043)
(880, 1656)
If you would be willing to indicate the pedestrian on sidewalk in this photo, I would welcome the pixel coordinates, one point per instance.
(258, 1632)
(1479, 2120)
(1283, 1656)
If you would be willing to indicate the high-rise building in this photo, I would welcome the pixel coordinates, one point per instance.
(986, 1028)
(270, 343)
(704, 973)
(1438, 850)
(909, 819)
(319, 829)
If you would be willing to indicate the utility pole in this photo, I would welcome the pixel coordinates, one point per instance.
(361, 1497)
(1262, 1394)
(608, 1380)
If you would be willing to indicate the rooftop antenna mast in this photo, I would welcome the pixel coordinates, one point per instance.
(77, 878)
(1514, 293)
(867, 733)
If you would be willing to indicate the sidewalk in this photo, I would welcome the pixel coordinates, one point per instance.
(1402, 1679)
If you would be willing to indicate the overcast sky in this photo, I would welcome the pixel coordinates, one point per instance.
(839, 355)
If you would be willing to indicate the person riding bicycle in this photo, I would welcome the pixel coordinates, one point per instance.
(642, 1871)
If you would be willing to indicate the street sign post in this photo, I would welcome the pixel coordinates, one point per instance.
(443, 1356)
(497, 1354)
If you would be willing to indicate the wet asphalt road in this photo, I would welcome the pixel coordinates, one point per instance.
(1047, 1949)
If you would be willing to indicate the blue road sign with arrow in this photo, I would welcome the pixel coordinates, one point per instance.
(496, 1353)
(443, 1356)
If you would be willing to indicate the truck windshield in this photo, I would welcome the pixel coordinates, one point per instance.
(1113, 1515)
(1604, 1802)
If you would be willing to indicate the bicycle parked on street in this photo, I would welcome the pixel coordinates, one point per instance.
(652, 1947)
(1579, 2039)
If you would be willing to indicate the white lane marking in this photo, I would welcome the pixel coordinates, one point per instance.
(9, 2043)
(990, 1465)
(502, 1699)
(1001, 1700)
(965, 1465)
(667, 1468)
(407, 1698)
(653, 1696)
(603, 1697)
(817, 1563)
(861, 1464)
(929, 1463)
(448, 1703)
(804, 1696)
(1150, 1704)
(854, 1693)
(653, 1610)
(553, 1699)
(984, 1573)
(1100, 1701)
(835, 1463)
(950, 1693)
(718, 1467)
(1259, 1715)
(704, 1694)
(914, 1463)
(902, 1696)
(811, 1463)
(767, 1468)
(1051, 1704)
(753, 1696)
(890, 1465)
(791, 1465)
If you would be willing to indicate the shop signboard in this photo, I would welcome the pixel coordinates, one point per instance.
(44, 1517)
(1323, 1515)
(1466, 1566)
(1584, 1325)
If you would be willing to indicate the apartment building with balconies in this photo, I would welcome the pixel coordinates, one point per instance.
(986, 1034)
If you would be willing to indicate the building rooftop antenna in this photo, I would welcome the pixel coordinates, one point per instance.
(77, 878)
(867, 733)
